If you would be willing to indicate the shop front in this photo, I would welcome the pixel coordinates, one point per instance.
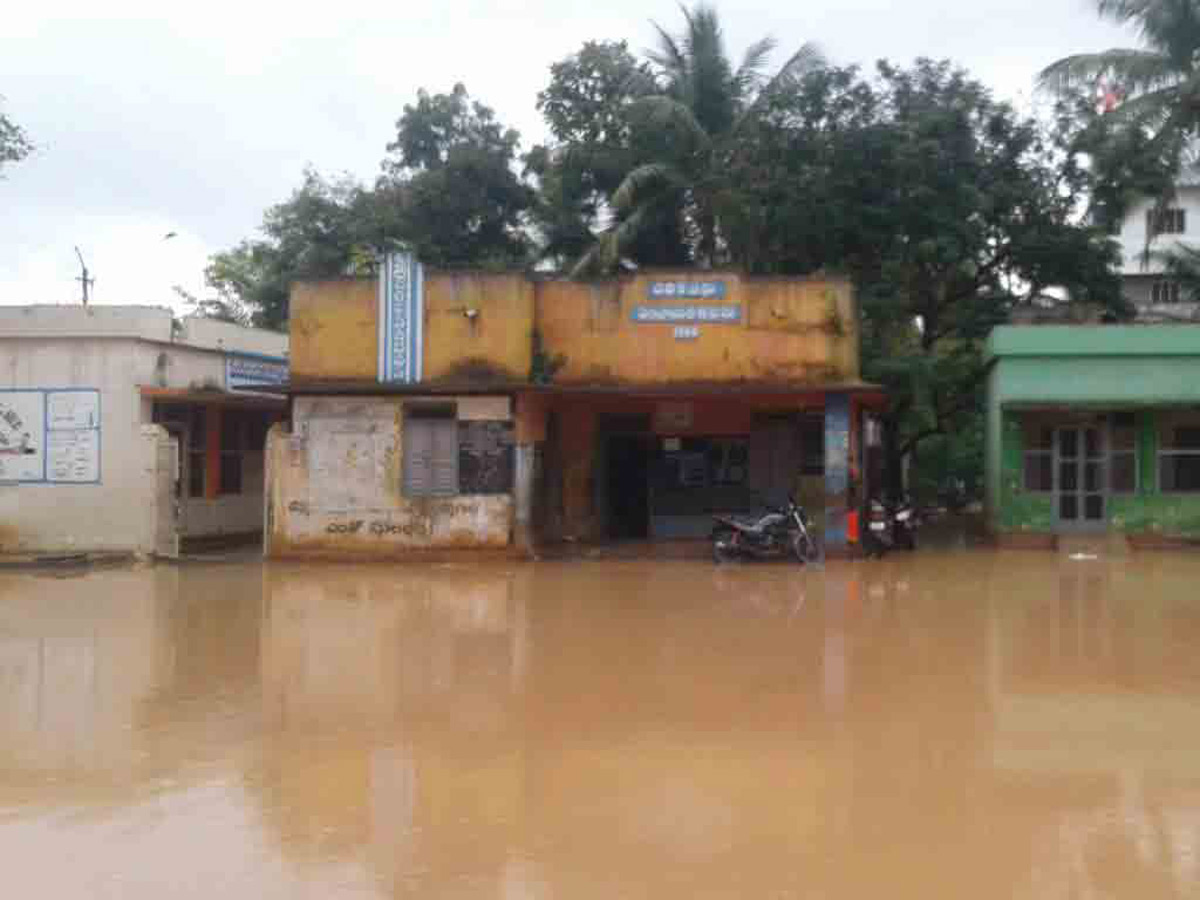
(442, 411)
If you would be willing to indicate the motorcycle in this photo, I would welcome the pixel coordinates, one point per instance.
(781, 532)
(890, 527)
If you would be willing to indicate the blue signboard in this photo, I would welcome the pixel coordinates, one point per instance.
(245, 372)
(685, 289)
(712, 314)
(837, 467)
(401, 318)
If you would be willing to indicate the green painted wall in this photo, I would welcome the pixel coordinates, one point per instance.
(1146, 512)
(1107, 367)
(1019, 510)
(1054, 341)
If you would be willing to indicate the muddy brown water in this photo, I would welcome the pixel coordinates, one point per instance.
(949, 724)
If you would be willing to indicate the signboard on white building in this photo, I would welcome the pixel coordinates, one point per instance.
(50, 436)
(22, 436)
(244, 372)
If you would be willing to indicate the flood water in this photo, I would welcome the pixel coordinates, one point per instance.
(966, 724)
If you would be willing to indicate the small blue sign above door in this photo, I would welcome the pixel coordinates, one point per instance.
(685, 290)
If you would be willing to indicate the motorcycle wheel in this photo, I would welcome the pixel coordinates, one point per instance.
(806, 549)
(722, 547)
(907, 539)
(873, 546)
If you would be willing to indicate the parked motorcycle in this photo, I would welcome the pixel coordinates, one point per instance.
(781, 532)
(890, 527)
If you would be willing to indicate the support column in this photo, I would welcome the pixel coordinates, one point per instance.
(530, 432)
(837, 469)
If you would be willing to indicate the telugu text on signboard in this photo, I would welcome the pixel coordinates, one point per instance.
(673, 315)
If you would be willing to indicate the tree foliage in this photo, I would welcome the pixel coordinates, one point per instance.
(14, 142)
(1139, 144)
(448, 191)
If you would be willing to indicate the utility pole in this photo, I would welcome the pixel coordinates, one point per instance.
(83, 278)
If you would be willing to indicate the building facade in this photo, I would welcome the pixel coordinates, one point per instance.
(1156, 297)
(440, 410)
(124, 429)
(1094, 429)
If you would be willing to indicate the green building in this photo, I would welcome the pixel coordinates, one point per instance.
(1094, 428)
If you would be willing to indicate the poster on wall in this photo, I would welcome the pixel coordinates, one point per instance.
(22, 436)
(73, 436)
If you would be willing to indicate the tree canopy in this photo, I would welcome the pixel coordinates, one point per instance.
(14, 142)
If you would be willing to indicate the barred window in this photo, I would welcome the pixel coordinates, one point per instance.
(1179, 454)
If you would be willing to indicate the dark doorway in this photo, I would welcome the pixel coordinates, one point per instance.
(629, 486)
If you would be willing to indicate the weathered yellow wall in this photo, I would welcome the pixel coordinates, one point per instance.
(334, 330)
(478, 326)
(791, 330)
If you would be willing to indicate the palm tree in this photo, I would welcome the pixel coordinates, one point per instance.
(693, 125)
(1160, 82)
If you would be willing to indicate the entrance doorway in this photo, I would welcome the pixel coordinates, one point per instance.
(1079, 489)
(628, 486)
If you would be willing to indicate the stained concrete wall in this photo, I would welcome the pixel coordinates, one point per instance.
(115, 350)
(335, 488)
(790, 330)
(481, 327)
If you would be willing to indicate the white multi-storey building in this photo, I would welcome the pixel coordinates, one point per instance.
(1157, 297)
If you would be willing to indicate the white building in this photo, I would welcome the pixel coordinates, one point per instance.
(1157, 297)
(124, 429)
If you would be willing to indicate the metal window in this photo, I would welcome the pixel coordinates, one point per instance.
(1166, 221)
(431, 452)
(1164, 292)
(1179, 455)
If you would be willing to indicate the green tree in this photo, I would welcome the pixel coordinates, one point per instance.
(451, 176)
(695, 122)
(589, 108)
(982, 211)
(448, 192)
(947, 209)
(1158, 83)
(318, 232)
(14, 142)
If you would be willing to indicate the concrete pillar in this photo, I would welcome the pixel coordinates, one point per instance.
(530, 432)
(523, 480)
(837, 469)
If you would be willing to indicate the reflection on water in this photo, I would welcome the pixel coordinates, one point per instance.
(963, 724)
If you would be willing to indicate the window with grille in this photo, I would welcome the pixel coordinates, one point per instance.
(233, 448)
(1166, 221)
(430, 452)
(1039, 458)
(1179, 454)
(1164, 292)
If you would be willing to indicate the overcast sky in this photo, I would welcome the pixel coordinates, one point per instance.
(194, 121)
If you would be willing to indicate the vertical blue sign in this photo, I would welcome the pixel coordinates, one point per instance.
(401, 318)
(837, 468)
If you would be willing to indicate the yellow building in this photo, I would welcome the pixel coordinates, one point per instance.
(435, 410)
